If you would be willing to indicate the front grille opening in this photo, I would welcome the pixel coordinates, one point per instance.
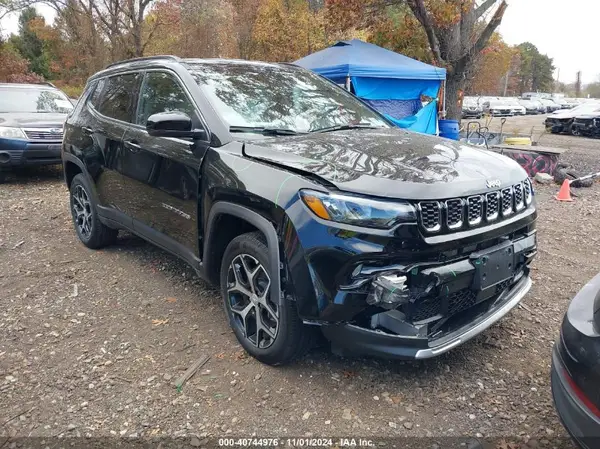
(454, 213)
(43, 135)
(507, 202)
(458, 213)
(475, 210)
(528, 192)
(492, 206)
(519, 198)
(430, 215)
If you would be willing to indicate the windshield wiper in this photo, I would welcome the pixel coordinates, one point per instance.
(347, 126)
(262, 130)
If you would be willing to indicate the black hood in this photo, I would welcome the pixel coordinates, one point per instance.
(32, 119)
(391, 162)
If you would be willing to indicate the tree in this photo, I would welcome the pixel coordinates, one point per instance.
(535, 71)
(14, 68)
(29, 45)
(286, 30)
(9, 6)
(491, 69)
(457, 32)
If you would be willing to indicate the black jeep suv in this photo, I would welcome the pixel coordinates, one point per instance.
(31, 125)
(308, 208)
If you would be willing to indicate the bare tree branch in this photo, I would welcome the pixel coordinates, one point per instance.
(483, 38)
(481, 9)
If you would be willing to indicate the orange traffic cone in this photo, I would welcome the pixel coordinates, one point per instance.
(564, 194)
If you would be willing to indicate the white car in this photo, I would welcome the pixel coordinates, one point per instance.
(497, 108)
(515, 107)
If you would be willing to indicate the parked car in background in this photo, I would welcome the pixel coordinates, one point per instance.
(587, 125)
(563, 103)
(497, 108)
(562, 121)
(259, 186)
(471, 108)
(531, 107)
(548, 105)
(31, 125)
(575, 377)
(515, 107)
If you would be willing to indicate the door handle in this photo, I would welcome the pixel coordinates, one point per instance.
(132, 146)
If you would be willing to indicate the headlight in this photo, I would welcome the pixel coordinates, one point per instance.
(358, 211)
(12, 133)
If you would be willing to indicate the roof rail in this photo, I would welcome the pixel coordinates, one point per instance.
(146, 58)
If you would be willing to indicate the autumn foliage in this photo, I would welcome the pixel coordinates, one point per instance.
(89, 34)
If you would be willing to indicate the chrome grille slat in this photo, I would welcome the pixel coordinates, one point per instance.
(458, 213)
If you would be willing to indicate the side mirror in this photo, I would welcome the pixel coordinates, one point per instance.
(173, 124)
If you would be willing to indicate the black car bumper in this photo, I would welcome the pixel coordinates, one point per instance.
(19, 153)
(581, 424)
(364, 341)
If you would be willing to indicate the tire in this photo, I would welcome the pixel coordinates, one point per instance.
(245, 271)
(89, 229)
(2, 176)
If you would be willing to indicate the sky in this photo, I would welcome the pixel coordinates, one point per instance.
(562, 29)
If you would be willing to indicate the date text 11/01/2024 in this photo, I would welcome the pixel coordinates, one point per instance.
(296, 442)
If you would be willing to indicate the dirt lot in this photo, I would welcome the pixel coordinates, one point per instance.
(91, 342)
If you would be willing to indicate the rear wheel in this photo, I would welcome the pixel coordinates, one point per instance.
(92, 233)
(268, 329)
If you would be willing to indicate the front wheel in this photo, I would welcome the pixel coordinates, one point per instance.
(268, 329)
(90, 230)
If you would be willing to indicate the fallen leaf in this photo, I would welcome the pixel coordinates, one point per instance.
(349, 374)
(159, 322)
(221, 355)
(171, 299)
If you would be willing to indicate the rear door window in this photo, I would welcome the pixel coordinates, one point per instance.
(117, 96)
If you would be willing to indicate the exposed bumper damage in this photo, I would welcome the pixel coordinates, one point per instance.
(423, 310)
(589, 127)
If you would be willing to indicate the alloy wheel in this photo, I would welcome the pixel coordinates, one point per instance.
(82, 211)
(248, 298)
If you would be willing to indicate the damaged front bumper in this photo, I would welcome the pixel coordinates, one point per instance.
(423, 310)
(379, 343)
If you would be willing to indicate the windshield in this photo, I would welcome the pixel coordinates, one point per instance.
(29, 99)
(274, 97)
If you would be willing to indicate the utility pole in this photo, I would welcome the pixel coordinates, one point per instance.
(578, 85)
(557, 85)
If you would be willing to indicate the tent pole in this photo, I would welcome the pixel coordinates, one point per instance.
(444, 101)
(348, 83)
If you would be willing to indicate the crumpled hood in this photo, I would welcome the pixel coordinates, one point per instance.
(390, 162)
(33, 119)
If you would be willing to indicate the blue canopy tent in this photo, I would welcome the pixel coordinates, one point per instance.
(390, 82)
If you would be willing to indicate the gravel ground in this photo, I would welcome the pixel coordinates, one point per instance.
(91, 342)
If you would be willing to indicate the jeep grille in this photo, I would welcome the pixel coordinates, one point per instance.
(460, 213)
